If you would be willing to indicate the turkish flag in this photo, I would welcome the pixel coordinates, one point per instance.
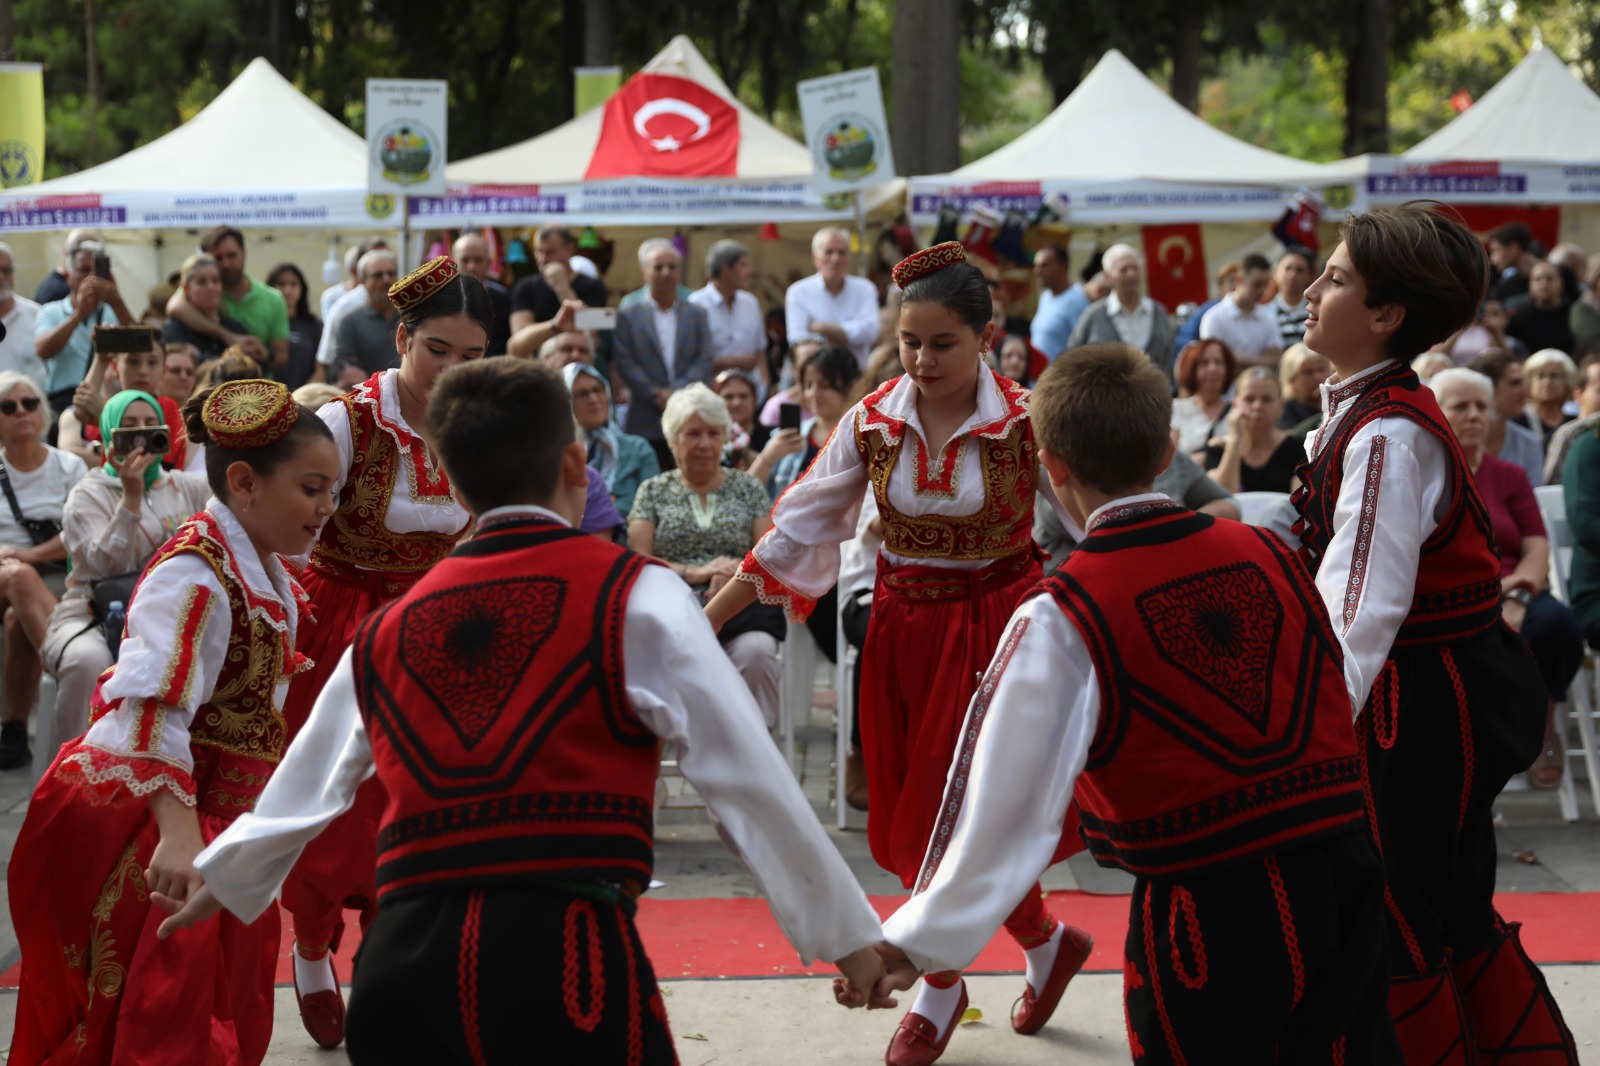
(661, 126)
(1175, 264)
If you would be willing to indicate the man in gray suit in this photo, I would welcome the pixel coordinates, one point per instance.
(662, 344)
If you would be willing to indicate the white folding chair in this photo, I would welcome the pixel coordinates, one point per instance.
(1256, 507)
(796, 689)
(843, 677)
(1580, 706)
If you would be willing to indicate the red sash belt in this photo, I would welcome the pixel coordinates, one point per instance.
(227, 783)
(942, 584)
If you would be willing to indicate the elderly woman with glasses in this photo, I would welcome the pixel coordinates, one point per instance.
(36, 479)
(622, 460)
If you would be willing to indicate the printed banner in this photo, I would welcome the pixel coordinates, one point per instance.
(660, 125)
(846, 130)
(1148, 202)
(21, 124)
(625, 202)
(407, 136)
(1175, 264)
(1393, 179)
(200, 209)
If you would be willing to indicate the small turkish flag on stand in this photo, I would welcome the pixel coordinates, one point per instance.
(662, 126)
(1176, 264)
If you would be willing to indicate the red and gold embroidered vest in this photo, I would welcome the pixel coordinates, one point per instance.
(493, 696)
(1007, 458)
(1225, 726)
(1458, 572)
(355, 535)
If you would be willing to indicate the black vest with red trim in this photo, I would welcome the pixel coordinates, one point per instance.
(493, 697)
(1458, 572)
(1225, 726)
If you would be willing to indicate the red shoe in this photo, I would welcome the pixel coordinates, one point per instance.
(1031, 1011)
(322, 1013)
(915, 1042)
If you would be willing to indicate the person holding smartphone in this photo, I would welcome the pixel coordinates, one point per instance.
(63, 333)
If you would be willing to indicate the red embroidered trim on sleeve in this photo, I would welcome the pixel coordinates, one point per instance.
(112, 778)
(177, 683)
(1366, 522)
(769, 590)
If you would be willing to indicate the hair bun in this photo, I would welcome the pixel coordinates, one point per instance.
(921, 264)
(422, 283)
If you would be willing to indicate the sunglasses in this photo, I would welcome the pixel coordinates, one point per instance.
(9, 407)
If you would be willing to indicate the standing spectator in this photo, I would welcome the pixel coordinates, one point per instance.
(538, 300)
(569, 346)
(1551, 377)
(1296, 269)
(1486, 334)
(201, 284)
(343, 299)
(733, 314)
(1587, 397)
(471, 253)
(663, 345)
(1584, 316)
(621, 460)
(40, 478)
(1126, 315)
(1061, 301)
(1227, 279)
(1248, 327)
(1204, 370)
(1301, 373)
(18, 315)
(832, 306)
(1510, 437)
(55, 285)
(366, 335)
(1511, 252)
(352, 280)
(305, 329)
(63, 332)
(1580, 486)
(258, 308)
(1544, 321)
(1255, 455)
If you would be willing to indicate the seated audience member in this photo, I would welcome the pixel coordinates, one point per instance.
(1203, 372)
(231, 365)
(1126, 315)
(1544, 321)
(108, 375)
(305, 329)
(1551, 377)
(18, 315)
(177, 372)
(1584, 316)
(1587, 397)
(114, 520)
(347, 374)
(1227, 277)
(662, 345)
(753, 446)
(1301, 374)
(1428, 364)
(155, 313)
(833, 306)
(1487, 334)
(600, 514)
(39, 477)
(313, 394)
(542, 304)
(700, 519)
(1015, 358)
(567, 347)
(202, 288)
(623, 461)
(1249, 327)
(1552, 630)
(790, 381)
(365, 335)
(1004, 330)
(58, 283)
(1510, 435)
(1254, 454)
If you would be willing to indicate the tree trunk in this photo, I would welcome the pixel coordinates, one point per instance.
(92, 60)
(926, 121)
(1186, 56)
(6, 46)
(1367, 82)
(599, 37)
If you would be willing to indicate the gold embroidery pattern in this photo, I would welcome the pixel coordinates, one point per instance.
(105, 973)
(180, 653)
(74, 956)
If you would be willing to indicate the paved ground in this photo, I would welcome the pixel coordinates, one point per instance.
(793, 1020)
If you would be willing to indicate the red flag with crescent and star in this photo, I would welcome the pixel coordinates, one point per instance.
(662, 126)
(1175, 265)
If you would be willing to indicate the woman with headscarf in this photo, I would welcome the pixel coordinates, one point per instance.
(624, 461)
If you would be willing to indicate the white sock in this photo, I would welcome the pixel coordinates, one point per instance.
(938, 1005)
(314, 976)
(1041, 958)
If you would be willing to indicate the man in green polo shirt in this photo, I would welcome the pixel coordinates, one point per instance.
(259, 308)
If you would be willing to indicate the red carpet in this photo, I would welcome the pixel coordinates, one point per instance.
(739, 938)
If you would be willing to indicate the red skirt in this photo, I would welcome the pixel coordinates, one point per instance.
(97, 986)
(932, 634)
(337, 868)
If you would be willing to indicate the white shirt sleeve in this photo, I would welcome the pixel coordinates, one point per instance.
(246, 865)
(1393, 492)
(336, 416)
(1036, 712)
(861, 325)
(686, 691)
(796, 315)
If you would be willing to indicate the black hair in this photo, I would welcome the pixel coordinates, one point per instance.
(1254, 261)
(500, 426)
(1305, 255)
(214, 237)
(1513, 232)
(1059, 251)
(302, 309)
(837, 366)
(461, 295)
(960, 288)
(307, 427)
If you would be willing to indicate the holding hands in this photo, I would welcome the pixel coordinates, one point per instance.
(870, 976)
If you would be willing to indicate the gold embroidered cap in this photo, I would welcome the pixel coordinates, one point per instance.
(240, 415)
(920, 264)
(422, 283)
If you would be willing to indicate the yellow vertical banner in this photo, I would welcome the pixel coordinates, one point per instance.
(21, 124)
(593, 86)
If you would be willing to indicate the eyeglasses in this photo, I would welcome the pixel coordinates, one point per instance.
(8, 408)
(8, 270)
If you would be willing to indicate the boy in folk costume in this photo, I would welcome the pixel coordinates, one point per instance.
(513, 704)
(1404, 556)
(1174, 647)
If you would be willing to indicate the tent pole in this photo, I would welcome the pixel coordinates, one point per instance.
(405, 236)
(863, 266)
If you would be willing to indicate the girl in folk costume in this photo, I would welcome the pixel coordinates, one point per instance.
(1452, 705)
(948, 452)
(185, 731)
(397, 517)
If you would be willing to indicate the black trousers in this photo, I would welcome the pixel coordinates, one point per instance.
(505, 975)
(856, 614)
(1278, 960)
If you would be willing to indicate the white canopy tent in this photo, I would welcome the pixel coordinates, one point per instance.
(1120, 150)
